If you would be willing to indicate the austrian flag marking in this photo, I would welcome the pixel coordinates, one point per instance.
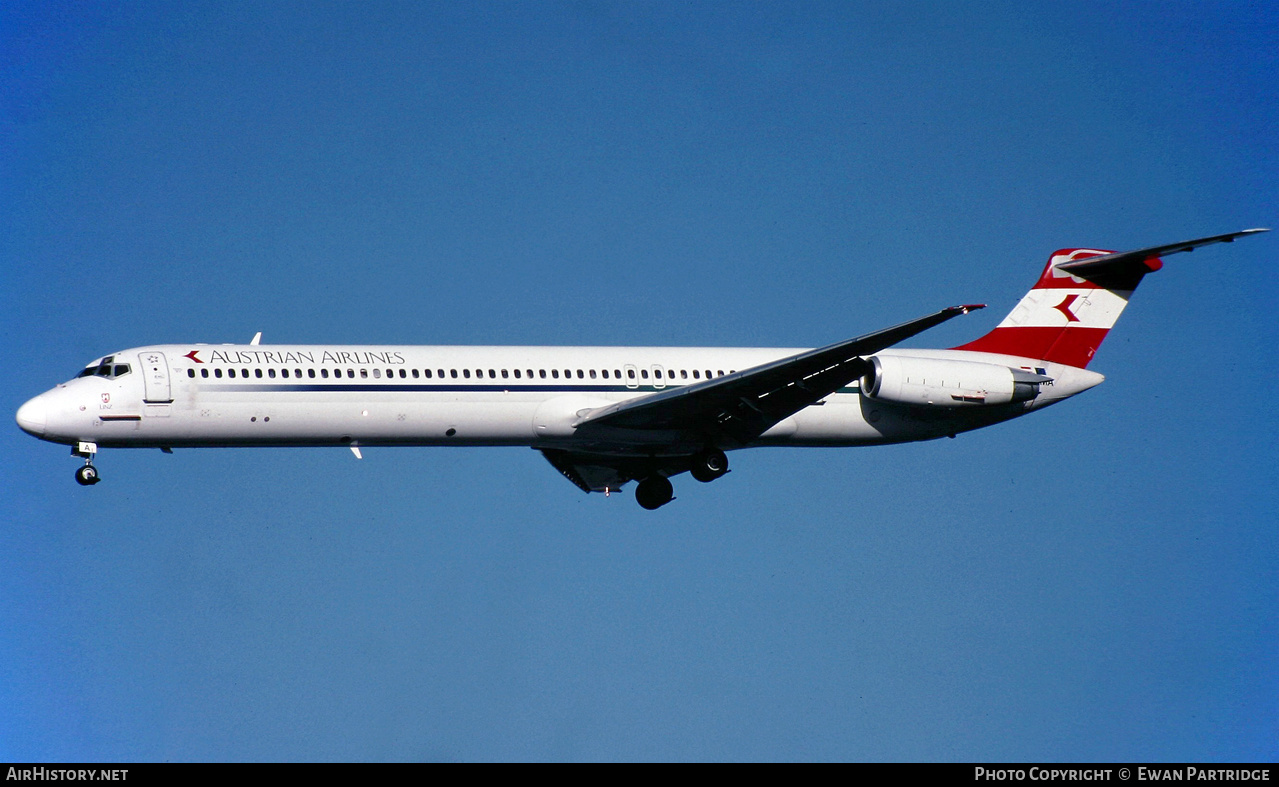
(192, 356)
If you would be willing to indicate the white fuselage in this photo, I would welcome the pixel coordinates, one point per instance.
(279, 395)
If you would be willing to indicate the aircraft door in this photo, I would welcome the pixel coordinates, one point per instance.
(155, 376)
(632, 376)
(659, 376)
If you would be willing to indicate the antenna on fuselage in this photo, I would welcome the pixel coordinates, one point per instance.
(257, 337)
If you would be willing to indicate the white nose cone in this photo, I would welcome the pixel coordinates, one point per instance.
(31, 417)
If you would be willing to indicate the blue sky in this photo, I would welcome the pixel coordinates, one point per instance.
(1095, 582)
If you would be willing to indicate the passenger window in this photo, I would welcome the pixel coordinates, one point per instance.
(404, 374)
(719, 373)
(504, 374)
(592, 374)
(270, 373)
(517, 374)
(310, 373)
(350, 373)
(530, 374)
(541, 373)
(204, 373)
(657, 373)
(697, 375)
(644, 373)
(605, 373)
(364, 374)
(617, 373)
(190, 372)
(453, 373)
(492, 374)
(257, 373)
(568, 373)
(417, 374)
(297, 373)
(284, 372)
(630, 373)
(683, 374)
(555, 373)
(324, 373)
(441, 373)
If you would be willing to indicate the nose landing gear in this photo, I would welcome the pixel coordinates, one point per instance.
(87, 475)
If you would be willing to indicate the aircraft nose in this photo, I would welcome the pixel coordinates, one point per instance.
(32, 417)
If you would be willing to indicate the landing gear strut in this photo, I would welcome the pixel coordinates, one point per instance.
(709, 465)
(654, 492)
(87, 475)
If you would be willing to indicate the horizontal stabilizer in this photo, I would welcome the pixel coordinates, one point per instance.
(1122, 270)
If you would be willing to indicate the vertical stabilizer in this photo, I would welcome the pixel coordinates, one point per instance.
(1065, 317)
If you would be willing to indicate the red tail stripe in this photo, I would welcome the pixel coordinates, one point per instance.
(1072, 345)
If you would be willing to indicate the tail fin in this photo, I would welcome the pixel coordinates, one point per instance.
(1076, 302)
(1064, 318)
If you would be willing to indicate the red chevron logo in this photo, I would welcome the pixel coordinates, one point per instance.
(1064, 307)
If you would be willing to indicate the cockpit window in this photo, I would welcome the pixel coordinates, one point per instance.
(106, 369)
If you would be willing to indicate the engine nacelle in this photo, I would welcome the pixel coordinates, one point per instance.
(945, 383)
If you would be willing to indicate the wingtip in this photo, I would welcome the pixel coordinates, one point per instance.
(969, 307)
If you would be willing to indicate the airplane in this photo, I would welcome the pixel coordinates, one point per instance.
(605, 416)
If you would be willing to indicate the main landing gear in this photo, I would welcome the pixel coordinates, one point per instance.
(87, 475)
(709, 465)
(656, 490)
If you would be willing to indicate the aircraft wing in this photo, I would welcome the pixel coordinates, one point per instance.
(737, 408)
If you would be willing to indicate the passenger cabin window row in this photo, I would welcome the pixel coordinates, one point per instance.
(106, 369)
